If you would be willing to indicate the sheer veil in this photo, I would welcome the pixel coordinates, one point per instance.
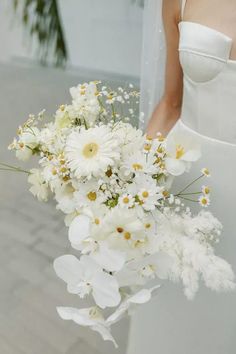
(153, 60)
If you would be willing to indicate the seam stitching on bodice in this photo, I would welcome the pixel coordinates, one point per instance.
(205, 136)
(182, 49)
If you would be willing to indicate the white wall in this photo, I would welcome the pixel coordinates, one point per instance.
(103, 35)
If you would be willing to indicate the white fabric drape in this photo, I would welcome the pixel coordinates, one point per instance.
(153, 60)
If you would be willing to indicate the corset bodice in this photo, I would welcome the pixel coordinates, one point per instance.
(209, 101)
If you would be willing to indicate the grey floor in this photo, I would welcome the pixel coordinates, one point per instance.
(33, 234)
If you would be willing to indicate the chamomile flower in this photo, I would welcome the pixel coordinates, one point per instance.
(204, 201)
(206, 172)
(126, 201)
(206, 190)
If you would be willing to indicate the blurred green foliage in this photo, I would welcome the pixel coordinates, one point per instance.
(42, 18)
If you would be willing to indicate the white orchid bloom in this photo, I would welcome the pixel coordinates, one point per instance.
(140, 271)
(79, 231)
(80, 238)
(84, 276)
(182, 150)
(88, 317)
(107, 258)
(141, 297)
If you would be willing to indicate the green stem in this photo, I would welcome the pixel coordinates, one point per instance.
(190, 184)
(7, 167)
(188, 199)
(193, 193)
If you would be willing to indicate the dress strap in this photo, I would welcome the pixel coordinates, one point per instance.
(183, 3)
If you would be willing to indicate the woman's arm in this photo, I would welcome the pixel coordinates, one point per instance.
(168, 110)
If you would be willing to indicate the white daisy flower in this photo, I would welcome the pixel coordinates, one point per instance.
(138, 162)
(204, 201)
(206, 172)
(88, 193)
(206, 190)
(90, 152)
(126, 201)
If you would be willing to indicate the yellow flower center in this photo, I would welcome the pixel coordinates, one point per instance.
(147, 147)
(147, 226)
(160, 150)
(63, 169)
(179, 152)
(145, 194)
(207, 190)
(137, 166)
(54, 171)
(160, 138)
(127, 235)
(90, 150)
(66, 178)
(92, 196)
(97, 221)
(206, 172)
(204, 201)
(62, 107)
(126, 200)
(165, 194)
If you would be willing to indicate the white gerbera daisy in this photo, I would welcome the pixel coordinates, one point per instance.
(90, 152)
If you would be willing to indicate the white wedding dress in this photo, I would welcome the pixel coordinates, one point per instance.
(170, 324)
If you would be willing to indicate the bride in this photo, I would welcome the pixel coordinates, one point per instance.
(197, 94)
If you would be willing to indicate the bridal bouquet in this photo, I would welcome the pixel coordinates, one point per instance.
(114, 185)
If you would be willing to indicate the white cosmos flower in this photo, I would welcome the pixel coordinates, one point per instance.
(39, 187)
(88, 317)
(90, 152)
(88, 193)
(84, 276)
(181, 149)
(139, 162)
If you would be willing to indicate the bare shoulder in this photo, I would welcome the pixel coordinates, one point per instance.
(172, 10)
